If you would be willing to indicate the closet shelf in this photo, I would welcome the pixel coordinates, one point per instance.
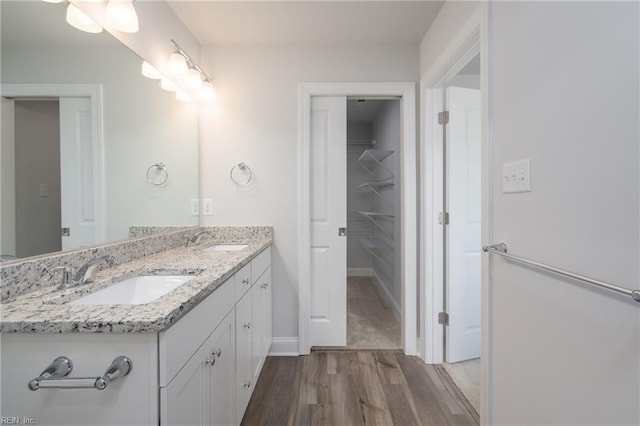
(374, 155)
(369, 214)
(376, 251)
(368, 186)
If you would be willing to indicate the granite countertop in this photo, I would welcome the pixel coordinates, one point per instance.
(46, 311)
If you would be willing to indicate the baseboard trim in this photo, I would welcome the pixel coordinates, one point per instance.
(382, 290)
(359, 272)
(284, 346)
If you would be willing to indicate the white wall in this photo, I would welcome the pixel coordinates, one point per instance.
(256, 121)
(566, 95)
(142, 125)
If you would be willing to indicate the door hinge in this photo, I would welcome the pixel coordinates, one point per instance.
(66, 232)
(443, 117)
(443, 218)
(443, 318)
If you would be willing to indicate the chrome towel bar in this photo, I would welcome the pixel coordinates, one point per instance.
(54, 376)
(501, 249)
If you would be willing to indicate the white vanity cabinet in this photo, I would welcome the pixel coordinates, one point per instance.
(199, 371)
(202, 393)
(197, 361)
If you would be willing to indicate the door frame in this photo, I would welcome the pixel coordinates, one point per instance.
(406, 91)
(472, 38)
(94, 93)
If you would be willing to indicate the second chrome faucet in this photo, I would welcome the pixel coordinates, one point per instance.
(84, 274)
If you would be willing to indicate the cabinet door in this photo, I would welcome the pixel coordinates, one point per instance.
(184, 400)
(266, 318)
(222, 376)
(261, 315)
(244, 377)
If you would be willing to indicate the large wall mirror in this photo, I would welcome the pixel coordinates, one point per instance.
(90, 147)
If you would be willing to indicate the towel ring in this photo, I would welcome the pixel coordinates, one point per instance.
(160, 177)
(241, 168)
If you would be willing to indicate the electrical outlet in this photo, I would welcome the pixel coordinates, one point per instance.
(207, 207)
(516, 176)
(194, 207)
(44, 190)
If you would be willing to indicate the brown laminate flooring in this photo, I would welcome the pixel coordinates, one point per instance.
(337, 388)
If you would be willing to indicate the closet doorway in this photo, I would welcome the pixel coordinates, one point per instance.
(373, 243)
(323, 232)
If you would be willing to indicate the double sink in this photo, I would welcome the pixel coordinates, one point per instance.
(143, 289)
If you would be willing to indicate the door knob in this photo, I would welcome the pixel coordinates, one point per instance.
(342, 232)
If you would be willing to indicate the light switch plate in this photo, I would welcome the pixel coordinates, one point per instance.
(516, 176)
(207, 207)
(194, 207)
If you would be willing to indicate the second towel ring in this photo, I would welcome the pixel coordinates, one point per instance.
(238, 169)
(160, 177)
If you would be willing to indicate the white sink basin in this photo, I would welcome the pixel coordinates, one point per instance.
(227, 247)
(134, 291)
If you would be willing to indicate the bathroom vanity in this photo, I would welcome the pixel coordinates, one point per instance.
(195, 352)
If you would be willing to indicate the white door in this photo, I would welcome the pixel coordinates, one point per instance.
(8, 179)
(77, 173)
(328, 322)
(463, 233)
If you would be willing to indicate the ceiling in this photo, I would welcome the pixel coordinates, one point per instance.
(317, 23)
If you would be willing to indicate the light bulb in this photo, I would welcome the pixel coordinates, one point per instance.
(183, 96)
(80, 20)
(150, 71)
(206, 91)
(121, 15)
(177, 65)
(168, 85)
(192, 79)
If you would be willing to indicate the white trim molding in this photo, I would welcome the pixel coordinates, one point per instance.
(472, 38)
(94, 92)
(406, 91)
(284, 346)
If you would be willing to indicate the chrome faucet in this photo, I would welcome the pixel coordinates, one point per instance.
(195, 238)
(84, 274)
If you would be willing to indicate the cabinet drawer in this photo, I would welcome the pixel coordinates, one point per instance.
(260, 263)
(242, 280)
(182, 339)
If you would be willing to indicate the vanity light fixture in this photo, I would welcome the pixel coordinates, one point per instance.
(177, 65)
(121, 15)
(150, 71)
(183, 96)
(80, 20)
(206, 91)
(53, 1)
(183, 76)
(192, 80)
(168, 85)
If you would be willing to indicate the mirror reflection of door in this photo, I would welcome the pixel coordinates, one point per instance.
(52, 176)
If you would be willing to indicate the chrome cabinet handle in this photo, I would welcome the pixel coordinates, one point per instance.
(214, 355)
(247, 325)
(265, 285)
(245, 281)
(247, 385)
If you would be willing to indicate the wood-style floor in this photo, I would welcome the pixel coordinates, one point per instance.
(339, 388)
